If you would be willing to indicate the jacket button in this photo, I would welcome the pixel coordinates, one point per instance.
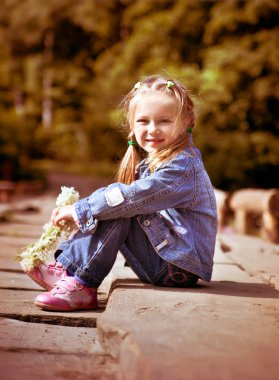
(88, 223)
(146, 223)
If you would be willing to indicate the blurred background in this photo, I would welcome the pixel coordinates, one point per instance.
(66, 64)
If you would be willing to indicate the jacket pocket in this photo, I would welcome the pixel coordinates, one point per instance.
(156, 230)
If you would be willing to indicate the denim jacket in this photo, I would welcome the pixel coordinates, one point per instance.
(175, 206)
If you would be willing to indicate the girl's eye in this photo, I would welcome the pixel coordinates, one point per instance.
(164, 121)
(141, 121)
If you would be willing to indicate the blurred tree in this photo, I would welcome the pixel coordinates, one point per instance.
(156, 36)
(46, 62)
(240, 94)
(64, 66)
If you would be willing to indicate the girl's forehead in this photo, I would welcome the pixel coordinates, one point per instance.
(156, 99)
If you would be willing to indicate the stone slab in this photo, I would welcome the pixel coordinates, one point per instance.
(14, 242)
(12, 230)
(48, 366)
(271, 279)
(219, 256)
(231, 272)
(29, 219)
(257, 257)
(38, 204)
(26, 336)
(37, 344)
(9, 248)
(17, 281)
(8, 262)
(20, 305)
(222, 331)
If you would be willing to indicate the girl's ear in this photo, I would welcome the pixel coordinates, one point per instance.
(132, 136)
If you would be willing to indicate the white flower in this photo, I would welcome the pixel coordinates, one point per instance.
(68, 196)
(38, 253)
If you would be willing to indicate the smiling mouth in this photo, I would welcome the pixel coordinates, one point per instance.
(154, 141)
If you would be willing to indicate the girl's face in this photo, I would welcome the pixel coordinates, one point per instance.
(154, 121)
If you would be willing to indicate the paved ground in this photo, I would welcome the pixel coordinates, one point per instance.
(35, 344)
(225, 330)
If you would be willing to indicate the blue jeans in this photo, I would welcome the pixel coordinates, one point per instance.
(90, 256)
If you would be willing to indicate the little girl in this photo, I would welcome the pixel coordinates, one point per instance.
(160, 214)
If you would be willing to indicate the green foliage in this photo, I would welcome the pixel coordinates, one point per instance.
(65, 65)
(241, 80)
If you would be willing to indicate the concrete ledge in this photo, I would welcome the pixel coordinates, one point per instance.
(257, 257)
(225, 330)
(191, 334)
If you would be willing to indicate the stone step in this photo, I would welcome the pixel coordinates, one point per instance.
(51, 352)
(37, 344)
(222, 330)
(49, 366)
(19, 305)
(27, 336)
(20, 230)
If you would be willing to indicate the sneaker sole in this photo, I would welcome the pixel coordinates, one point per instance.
(54, 308)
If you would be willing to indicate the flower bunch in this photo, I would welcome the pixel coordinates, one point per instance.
(37, 253)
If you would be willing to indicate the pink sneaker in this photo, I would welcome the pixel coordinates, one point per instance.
(46, 275)
(68, 295)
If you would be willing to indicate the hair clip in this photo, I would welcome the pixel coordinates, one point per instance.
(131, 142)
(190, 130)
(137, 85)
(170, 84)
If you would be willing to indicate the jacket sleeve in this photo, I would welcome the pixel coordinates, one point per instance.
(170, 186)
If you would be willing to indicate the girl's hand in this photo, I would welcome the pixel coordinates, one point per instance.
(62, 213)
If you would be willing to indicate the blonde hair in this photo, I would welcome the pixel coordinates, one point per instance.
(184, 123)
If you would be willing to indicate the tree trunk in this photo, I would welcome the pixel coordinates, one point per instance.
(47, 106)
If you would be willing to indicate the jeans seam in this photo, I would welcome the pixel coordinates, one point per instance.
(101, 246)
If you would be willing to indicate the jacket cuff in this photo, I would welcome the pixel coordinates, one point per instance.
(85, 218)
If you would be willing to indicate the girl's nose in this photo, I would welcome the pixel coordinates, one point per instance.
(152, 128)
